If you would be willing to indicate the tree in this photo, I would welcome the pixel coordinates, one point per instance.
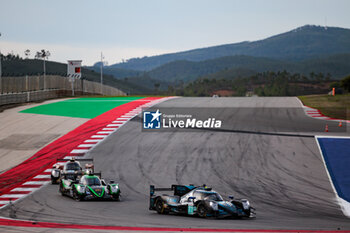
(156, 86)
(27, 53)
(334, 85)
(345, 83)
(44, 55)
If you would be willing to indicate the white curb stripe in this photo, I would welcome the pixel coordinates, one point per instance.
(36, 182)
(42, 176)
(4, 202)
(87, 145)
(104, 132)
(98, 136)
(115, 125)
(78, 151)
(61, 163)
(24, 189)
(13, 195)
(109, 129)
(93, 140)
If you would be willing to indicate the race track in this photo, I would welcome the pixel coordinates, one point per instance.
(269, 157)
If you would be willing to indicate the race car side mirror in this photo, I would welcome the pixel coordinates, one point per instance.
(190, 199)
(231, 197)
(112, 182)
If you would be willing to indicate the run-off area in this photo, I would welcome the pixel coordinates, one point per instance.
(336, 155)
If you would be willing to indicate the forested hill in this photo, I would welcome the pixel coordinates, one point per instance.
(299, 44)
(337, 66)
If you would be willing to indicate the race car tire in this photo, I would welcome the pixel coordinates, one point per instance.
(53, 181)
(201, 210)
(160, 207)
(76, 195)
(61, 189)
(116, 197)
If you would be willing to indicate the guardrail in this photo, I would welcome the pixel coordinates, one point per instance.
(35, 88)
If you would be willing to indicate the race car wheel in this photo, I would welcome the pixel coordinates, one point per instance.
(116, 197)
(61, 189)
(201, 210)
(53, 181)
(160, 207)
(76, 195)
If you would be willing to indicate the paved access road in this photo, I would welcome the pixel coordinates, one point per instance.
(281, 172)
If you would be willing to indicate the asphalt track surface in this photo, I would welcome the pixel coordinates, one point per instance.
(280, 171)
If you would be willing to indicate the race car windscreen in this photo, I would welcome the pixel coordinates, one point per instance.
(93, 181)
(72, 166)
(208, 196)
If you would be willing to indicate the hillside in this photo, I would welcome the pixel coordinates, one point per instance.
(337, 66)
(298, 44)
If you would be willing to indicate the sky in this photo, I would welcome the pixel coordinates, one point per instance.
(82, 29)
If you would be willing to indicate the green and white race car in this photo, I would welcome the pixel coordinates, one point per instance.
(89, 187)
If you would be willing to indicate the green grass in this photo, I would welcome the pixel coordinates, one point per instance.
(337, 106)
(81, 107)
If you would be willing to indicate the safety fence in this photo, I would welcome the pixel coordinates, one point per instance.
(35, 88)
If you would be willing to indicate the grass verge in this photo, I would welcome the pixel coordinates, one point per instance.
(337, 106)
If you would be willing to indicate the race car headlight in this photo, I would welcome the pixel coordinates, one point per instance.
(81, 189)
(55, 173)
(114, 188)
(246, 204)
(213, 205)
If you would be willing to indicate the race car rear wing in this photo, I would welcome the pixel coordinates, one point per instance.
(179, 190)
(83, 160)
(99, 174)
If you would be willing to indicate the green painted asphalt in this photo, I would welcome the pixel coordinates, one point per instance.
(81, 107)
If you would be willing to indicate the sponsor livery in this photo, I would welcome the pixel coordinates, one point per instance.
(89, 187)
(199, 201)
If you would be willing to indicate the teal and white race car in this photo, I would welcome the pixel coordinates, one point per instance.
(89, 187)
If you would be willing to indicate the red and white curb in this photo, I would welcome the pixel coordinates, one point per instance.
(44, 178)
(316, 114)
